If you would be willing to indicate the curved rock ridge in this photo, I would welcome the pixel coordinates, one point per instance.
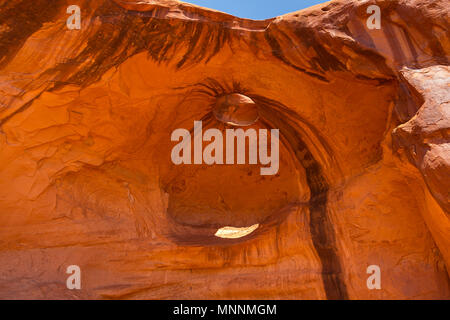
(87, 179)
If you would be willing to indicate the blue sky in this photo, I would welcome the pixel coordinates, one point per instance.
(256, 9)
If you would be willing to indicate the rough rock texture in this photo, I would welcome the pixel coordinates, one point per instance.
(86, 177)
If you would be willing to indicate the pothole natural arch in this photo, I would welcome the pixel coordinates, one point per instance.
(207, 208)
(199, 197)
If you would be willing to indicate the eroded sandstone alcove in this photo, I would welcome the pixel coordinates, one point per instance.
(86, 176)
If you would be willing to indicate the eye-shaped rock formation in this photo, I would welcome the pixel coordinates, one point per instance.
(86, 177)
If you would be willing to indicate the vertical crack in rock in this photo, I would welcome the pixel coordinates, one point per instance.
(323, 236)
(321, 227)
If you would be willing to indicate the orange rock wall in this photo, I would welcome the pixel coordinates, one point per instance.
(86, 177)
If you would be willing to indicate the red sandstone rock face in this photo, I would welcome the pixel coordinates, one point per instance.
(86, 176)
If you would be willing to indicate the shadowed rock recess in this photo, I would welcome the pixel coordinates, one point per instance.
(86, 176)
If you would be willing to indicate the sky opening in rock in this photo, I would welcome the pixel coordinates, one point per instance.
(256, 9)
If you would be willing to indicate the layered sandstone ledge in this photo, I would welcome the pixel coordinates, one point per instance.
(86, 177)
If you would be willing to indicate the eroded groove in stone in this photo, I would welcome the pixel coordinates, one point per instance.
(321, 228)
